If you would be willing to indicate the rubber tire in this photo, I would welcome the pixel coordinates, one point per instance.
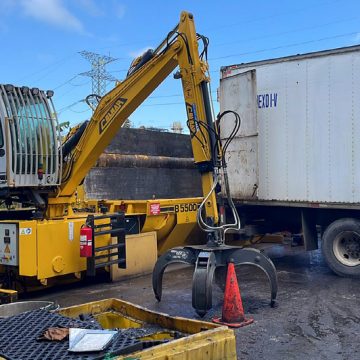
(331, 232)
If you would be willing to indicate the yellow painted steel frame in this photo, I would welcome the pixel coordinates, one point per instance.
(51, 248)
(174, 222)
(117, 105)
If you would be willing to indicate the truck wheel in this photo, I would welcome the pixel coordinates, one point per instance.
(341, 247)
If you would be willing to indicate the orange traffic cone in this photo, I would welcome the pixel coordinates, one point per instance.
(232, 311)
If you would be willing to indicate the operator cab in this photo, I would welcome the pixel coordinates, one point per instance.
(29, 139)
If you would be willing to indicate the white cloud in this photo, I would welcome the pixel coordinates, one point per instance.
(119, 10)
(90, 7)
(53, 12)
(136, 53)
(6, 6)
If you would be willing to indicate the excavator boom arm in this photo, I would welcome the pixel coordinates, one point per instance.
(116, 106)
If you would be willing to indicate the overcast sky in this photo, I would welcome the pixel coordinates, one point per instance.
(41, 40)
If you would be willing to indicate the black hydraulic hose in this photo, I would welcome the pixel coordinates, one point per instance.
(209, 120)
(73, 141)
(147, 56)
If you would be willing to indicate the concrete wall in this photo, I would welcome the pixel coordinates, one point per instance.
(142, 164)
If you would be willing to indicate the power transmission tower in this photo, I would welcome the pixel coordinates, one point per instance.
(98, 73)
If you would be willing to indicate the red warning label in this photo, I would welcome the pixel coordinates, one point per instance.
(155, 209)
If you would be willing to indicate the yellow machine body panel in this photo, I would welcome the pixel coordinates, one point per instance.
(136, 265)
(172, 219)
(58, 249)
(50, 248)
(28, 248)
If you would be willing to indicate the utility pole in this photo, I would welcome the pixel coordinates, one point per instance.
(98, 73)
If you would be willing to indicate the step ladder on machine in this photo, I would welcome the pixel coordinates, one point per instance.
(116, 251)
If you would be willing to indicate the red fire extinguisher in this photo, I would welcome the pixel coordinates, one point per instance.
(86, 241)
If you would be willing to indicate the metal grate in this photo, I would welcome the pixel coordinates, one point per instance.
(18, 336)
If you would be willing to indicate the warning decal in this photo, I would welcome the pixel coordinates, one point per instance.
(25, 231)
(155, 209)
(7, 249)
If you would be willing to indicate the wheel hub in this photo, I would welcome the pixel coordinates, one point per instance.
(346, 248)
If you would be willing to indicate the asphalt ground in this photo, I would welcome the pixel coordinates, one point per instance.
(317, 315)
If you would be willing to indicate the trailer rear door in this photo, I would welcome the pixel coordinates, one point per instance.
(238, 93)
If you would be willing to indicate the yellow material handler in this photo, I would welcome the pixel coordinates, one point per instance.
(50, 236)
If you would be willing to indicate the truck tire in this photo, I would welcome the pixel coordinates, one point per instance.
(341, 247)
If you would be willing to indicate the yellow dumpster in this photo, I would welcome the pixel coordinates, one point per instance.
(199, 340)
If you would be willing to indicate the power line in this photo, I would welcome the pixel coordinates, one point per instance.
(69, 106)
(247, 53)
(284, 32)
(82, 84)
(271, 16)
(173, 95)
(60, 62)
(164, 104)
(255, 52)
(66, 82)
(69, 82)
(285, 46)
(243, 21)
(73, 88)
(80, 112)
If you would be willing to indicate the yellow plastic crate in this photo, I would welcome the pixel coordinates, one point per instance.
(206, 341)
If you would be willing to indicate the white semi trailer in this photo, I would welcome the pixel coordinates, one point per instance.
(295, 163)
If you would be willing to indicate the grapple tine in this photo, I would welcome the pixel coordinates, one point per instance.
(176, 255)
(202, 282)
(250, 256)
(207, 259)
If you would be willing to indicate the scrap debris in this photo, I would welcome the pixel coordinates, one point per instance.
(55, 334)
